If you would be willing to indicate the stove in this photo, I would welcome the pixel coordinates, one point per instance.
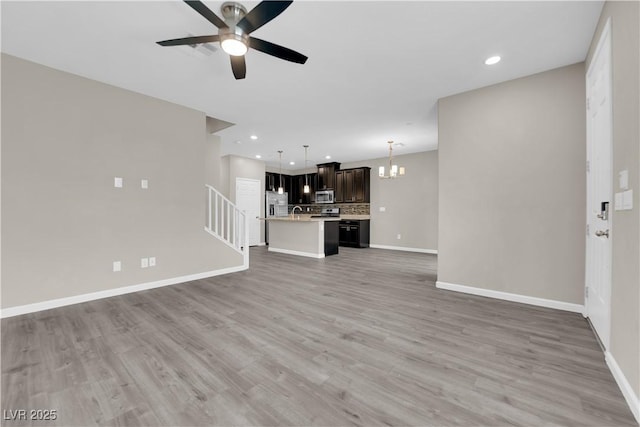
(330, 212)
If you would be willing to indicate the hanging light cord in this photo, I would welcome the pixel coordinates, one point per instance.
(280, 154)
(306, 175)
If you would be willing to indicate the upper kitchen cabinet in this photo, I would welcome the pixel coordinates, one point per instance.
(297, 195)
(296, 192)
(271, 181)
(353, 185)
(327, 175)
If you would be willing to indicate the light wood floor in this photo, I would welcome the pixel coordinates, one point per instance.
(359, 339)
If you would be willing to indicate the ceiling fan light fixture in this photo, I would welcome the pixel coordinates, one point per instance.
(234, 32)
(234, 46)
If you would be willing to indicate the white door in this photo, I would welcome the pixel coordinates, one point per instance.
(599, 188)
(248, 199)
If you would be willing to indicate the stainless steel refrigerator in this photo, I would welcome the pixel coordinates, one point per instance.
(275, 205)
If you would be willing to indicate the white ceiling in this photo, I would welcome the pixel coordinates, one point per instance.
(375, 71)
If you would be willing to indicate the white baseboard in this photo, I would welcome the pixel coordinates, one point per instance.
(541, 302)
(627, 391)
(60, 302)
(400, 248)
(299, 253)
(262, 244)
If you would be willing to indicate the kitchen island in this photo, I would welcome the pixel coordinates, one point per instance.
(304, 235)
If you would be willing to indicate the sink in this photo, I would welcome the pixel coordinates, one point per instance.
(316, 216)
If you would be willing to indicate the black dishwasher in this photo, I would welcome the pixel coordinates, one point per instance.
(354, 233)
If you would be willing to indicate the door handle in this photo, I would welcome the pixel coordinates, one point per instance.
(601, 233)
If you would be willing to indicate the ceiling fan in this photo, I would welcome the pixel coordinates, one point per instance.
(233, 32)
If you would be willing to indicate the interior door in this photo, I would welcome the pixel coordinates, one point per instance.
(599, 188)
(248, 199)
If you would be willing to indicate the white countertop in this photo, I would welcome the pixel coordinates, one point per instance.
(309, 218)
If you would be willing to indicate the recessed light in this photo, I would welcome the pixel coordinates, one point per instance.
(492, 60)
(254, 137)
(327, 157)
(258, 156)
(292, 163)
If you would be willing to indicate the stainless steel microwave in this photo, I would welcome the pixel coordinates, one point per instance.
(324, 196)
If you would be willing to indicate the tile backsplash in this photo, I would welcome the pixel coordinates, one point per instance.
(345, 208)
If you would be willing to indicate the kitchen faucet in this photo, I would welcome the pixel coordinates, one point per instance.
(293, 211)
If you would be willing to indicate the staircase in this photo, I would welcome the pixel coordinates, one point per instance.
(227, 223)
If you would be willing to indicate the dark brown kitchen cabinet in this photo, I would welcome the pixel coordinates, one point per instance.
(296, 192)
(327, 175)
(293, 191)
(311, 179)
(353, 185)
(271, 181)
(313, 182)
(338, 194)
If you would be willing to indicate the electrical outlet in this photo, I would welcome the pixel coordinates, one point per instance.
(152, 261)
(118, 182)
(117, 266)
(399, 236)
(144, 262)
(383, 209)
(144, 184)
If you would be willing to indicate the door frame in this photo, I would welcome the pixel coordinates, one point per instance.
(604, 45)
(260, 201)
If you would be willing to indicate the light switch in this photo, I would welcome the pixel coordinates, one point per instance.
(382, 209)
(144, 262)
(623, 179)
(627, 200)
(618, 202)
(144, 184)
(152, 261)
(117, 182)
(117, 266)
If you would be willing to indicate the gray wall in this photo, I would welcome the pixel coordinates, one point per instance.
(212, 169)
(64, 139)
(512, 186)
(625, 290)
(410, 202)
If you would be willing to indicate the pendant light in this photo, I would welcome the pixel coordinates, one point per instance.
(306, 190)
(281, 188)
(394, 171)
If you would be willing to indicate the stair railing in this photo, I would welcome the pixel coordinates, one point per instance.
(226, 222)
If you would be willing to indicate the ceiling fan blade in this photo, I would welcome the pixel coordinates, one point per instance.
(203, 10)
(189, 40)
(239, 66)
(261, 14)
(277, 50)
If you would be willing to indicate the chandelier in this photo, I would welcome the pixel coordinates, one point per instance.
(394, 170)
